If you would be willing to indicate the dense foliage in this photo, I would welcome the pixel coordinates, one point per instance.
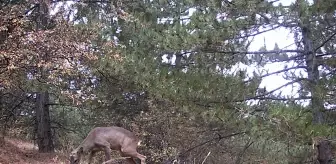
(169, 70)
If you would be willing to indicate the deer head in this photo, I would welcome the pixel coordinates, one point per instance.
(76, 155)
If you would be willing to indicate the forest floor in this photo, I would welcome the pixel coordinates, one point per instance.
(16, 151)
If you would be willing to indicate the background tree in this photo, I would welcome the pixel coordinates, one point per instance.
(42, 54)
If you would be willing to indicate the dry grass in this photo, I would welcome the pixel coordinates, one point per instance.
(16, 151)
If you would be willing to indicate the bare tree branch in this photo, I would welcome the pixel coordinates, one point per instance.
(274, 90)
(241, 154)
(256, 97)
(285, 99)
(83, 1)
(258, 33)
(211, 140)
(327, 40)
(251, 52)
(276, 72)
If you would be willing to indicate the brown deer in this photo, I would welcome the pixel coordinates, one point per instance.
(107, 139)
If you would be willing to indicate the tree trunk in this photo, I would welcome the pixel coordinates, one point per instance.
(313, 74)
(43, 125)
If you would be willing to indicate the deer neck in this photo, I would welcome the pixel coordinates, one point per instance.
(86, 146)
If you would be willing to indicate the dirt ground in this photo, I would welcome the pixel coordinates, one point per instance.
(15, 151)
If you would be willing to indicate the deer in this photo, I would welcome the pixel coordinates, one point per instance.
(107, 139)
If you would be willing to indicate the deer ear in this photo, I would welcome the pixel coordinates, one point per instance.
(80, 150)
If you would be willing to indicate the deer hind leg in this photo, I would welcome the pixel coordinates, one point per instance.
(130, 161)
(142, 158)
(128, 158)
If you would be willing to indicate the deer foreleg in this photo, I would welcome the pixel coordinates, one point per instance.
(107, 151)
(92, 153)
